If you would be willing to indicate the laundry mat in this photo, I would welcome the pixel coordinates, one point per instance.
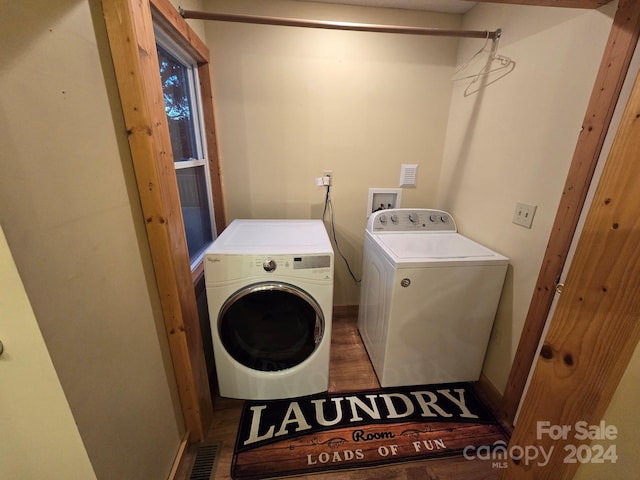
(278, 438)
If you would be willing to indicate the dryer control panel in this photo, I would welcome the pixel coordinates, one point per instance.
(224, 268)
(411, 220)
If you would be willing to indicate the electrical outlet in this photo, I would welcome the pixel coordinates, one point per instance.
(328, 173)
(524, 214)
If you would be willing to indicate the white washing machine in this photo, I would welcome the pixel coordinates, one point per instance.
(428, 298)
(270, 294)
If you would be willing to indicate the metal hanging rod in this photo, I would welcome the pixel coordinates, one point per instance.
(359, 27)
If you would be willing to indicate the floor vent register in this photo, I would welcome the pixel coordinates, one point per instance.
(204, 466)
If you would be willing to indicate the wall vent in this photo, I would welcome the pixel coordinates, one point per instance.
(408, 175)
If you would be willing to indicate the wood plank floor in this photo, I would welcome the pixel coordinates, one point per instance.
(350, 370)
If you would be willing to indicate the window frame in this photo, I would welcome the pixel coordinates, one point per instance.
(164, 40)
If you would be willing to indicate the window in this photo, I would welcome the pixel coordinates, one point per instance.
(182, 101)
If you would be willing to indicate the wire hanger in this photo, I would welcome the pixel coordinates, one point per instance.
(504, 66)
(466, 64)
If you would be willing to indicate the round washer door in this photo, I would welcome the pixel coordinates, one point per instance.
(270, 326)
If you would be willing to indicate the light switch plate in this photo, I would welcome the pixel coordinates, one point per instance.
(524, 214)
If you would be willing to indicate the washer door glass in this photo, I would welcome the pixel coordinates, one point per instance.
(270, 326)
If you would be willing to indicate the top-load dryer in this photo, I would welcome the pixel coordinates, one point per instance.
(270, 294)
(428, 298)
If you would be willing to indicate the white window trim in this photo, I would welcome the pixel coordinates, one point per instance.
(170, 46)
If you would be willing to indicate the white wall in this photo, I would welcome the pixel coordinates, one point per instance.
(42, 443)
(513, 141)
(70, 210)
(292, 102)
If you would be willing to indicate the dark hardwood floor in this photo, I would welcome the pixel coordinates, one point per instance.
(350, 370)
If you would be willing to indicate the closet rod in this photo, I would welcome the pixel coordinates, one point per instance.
(360, 27)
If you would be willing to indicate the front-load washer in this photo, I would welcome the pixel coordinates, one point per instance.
(428, 298)
(269, 287)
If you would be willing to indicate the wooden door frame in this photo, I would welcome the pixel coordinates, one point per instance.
(130, 26)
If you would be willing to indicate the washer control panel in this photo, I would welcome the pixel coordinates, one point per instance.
(411, 220)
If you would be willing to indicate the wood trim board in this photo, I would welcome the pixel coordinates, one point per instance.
(554, 3)
(180, 456)
(213, 152)
(165, 14)
(130, 31)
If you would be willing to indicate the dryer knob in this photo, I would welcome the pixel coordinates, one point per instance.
(394, 218)
(443, 218)
(433, 218)
(269, 265)
(413, 217)
(383, 218)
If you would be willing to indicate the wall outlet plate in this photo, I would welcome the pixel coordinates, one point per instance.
(383, 199)
(524, 214)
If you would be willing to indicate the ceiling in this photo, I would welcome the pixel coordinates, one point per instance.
(443, 6)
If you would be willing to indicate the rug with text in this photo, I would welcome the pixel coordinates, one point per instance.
(279, 438)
